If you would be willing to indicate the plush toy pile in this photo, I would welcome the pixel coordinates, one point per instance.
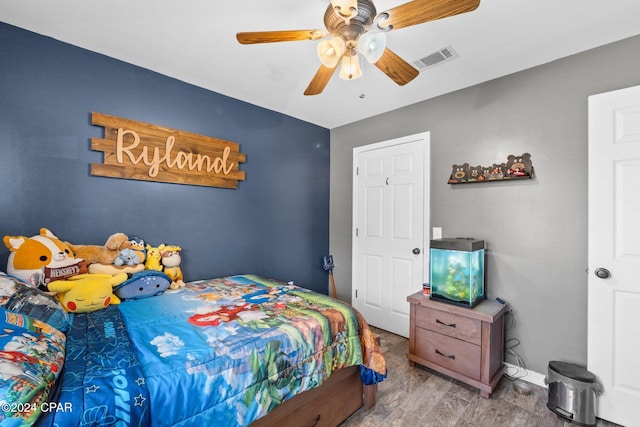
(87, 278)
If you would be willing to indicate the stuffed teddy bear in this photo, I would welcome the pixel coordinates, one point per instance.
(171, 262)
(459, 173)
(519, 166)
(106, 254)
(87, 292)
(40, 259)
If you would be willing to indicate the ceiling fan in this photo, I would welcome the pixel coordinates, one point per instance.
(354, 26)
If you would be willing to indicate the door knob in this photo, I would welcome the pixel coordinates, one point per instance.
(602, 273)
(416, 251)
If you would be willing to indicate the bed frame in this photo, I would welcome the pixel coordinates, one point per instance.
(328, 405)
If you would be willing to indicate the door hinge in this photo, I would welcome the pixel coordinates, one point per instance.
(356, 231)
(357, 170)
(356, 293)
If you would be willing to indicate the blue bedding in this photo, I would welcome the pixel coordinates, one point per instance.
(217, 352)
(102, 381)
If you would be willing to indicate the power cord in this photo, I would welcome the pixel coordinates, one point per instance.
(511, 343)
(520, 366)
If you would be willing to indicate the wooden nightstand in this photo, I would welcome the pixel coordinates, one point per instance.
(464, 343)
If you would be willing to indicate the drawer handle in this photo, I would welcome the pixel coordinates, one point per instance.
(451, 325)
(317, 420)
(451, 356)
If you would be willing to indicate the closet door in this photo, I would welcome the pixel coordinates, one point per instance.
(390, 214)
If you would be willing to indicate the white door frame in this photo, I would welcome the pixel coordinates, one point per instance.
(425, 138)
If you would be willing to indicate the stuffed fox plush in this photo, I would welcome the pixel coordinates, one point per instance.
(40, 259)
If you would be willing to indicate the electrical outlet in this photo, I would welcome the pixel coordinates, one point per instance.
(437, 233)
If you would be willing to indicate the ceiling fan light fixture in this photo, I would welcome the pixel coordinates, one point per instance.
(345, 9)
(372, 46)
(330, 51)
(349, 22)
(350, 66)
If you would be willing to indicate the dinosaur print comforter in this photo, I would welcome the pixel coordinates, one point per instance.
(217, 352)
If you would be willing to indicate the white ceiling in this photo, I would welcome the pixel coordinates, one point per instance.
(194, 41)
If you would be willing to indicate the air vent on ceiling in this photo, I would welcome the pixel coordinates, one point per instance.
(437, 57)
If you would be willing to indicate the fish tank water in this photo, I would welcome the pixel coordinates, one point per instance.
(457, 271)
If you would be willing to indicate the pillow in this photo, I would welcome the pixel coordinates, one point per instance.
(17, 296)
(31, 358)
(144, 284)
(7, 287)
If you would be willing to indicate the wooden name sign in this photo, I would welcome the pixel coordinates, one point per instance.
(137, 150)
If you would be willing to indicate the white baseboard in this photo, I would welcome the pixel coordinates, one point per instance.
(524, 374)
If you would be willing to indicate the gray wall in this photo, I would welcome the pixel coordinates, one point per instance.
(536, 231)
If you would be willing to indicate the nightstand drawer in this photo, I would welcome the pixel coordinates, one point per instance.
(464, 343)
(450, 353)
(449, 324)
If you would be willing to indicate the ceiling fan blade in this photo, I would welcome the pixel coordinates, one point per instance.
(320, 80)
(279, 36)
(398, 70)
(419, 11)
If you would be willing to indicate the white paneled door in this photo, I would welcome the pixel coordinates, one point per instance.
(614, 253)
(390, 223)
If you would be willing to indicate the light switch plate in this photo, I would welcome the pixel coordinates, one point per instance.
(437, 233)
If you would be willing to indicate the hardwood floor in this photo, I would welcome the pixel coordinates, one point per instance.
(416, 397)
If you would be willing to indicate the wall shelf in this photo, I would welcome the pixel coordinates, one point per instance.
(516, 168)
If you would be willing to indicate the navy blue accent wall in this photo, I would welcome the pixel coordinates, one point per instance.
(275, 224)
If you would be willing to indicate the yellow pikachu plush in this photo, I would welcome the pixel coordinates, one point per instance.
(87, 292)
(153, 260)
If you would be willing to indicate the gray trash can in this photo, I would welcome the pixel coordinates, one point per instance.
(573, 392)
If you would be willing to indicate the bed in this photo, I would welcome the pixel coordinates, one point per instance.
(241, 350)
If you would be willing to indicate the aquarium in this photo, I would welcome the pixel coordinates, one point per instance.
(457, 271)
